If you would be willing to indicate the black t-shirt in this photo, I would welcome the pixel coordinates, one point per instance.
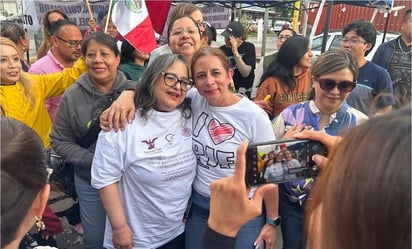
(248, 54)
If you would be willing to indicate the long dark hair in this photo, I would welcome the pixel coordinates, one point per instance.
(288, 56)
(127, 52)
(23, 174)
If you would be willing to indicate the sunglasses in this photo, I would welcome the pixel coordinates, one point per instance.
(343, 86)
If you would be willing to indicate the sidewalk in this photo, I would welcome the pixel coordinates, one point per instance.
(270, 45)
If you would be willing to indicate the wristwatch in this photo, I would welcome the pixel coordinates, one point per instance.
(274, 221)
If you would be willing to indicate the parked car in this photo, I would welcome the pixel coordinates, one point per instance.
(278, 25)
(333, 42)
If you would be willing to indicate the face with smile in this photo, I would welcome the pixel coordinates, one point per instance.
(184, 37)
(112, 30)
(212, 80)
(101, 63)
(10, 65)
(167, 97)
(305, 61)
(331, 101)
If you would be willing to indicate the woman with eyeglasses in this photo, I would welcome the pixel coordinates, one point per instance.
(333, 78)
(144, 173)
(287, 79)
(75, 127)
(184, 36)
(181, 9)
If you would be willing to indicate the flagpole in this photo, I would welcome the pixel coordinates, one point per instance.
(109, 13)
(90, 14)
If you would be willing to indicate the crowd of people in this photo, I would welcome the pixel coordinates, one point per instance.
(157, 144)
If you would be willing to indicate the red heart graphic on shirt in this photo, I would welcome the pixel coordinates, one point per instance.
(220, 132)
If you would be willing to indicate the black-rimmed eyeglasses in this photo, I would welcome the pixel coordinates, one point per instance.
(72, 43)
(172, 80)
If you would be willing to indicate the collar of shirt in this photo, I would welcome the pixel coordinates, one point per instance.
(315, 110)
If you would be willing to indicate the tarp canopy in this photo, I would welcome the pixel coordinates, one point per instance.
(381, 4)
(247, 3)
(273, 3)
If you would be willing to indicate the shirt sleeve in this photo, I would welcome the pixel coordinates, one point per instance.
(250, 55)
(54, 84)
(108, 161)
(262, 129)
(279, 126)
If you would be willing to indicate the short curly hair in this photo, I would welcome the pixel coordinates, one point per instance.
(364, 29)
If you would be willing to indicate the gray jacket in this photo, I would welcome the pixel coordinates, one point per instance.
(79, 108)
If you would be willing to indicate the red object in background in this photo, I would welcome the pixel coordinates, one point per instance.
(158, 12)
(343, 14)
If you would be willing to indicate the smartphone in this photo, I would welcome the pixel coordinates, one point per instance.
(261, 245)
(282, 161)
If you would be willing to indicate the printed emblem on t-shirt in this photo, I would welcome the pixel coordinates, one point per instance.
(220, 132)
(150, 143)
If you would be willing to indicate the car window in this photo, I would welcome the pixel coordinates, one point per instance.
(317, 43)
(336, 42)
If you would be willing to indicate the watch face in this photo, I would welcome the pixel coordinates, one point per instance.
(278, 220)
(275, 222)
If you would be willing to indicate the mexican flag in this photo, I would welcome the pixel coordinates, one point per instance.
(133, 22)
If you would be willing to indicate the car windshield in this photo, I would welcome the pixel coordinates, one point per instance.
(317, 43)
(336, 42)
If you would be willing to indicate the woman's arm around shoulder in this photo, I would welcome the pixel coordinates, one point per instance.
(56, 83)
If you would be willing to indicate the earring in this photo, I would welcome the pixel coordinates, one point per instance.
(39, 223)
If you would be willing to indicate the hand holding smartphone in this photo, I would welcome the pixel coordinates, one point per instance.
(282, 161)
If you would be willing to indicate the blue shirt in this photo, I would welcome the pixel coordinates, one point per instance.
(372, 81)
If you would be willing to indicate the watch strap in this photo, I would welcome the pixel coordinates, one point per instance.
(274, 221)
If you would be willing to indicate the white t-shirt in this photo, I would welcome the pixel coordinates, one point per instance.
(218, 132)
(274, 172)
(153, 162)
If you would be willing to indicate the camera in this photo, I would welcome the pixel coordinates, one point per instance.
(282, 161)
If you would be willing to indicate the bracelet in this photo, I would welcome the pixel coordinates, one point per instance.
(237, 55)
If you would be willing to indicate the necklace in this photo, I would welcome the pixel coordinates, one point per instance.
(400, 46)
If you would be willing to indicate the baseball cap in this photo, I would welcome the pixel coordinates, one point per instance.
(234, 28)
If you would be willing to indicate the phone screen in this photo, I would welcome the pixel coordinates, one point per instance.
(281, 161)
(261, 245)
